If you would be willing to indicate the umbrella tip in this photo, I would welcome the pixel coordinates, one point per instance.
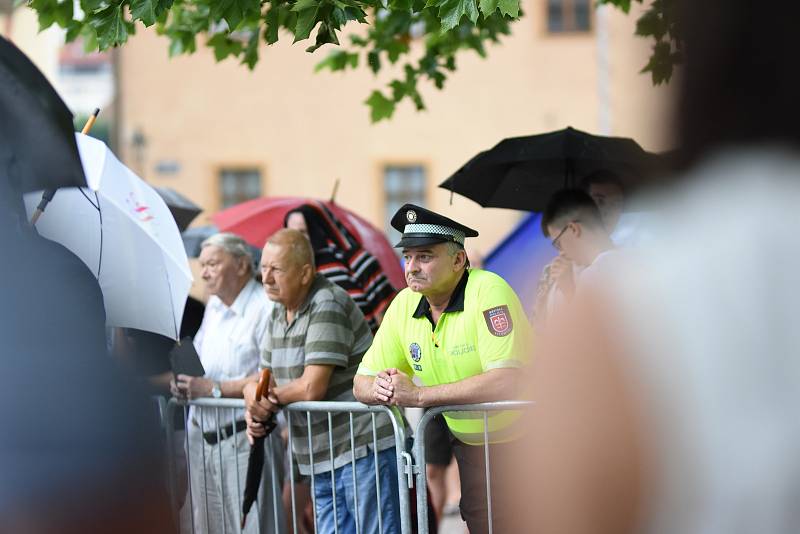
(335, 190)
(96, 112)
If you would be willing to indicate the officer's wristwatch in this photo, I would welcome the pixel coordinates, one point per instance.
(216, 392)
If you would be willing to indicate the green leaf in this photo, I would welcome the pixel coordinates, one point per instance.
(306, 20)
(89, 40)
(400, 5)
(251, 52)
(398, 90)
(45, 11)
(302, 5)
(451, 11)
(110, 27)
(91, 6)
(338, 60)
(224, 46)
(380, 107)
(374, 61)
(144, 10)
(651, 24)
(438, 78)
(74, 29)
(488, 6)
(272, 21)
(509, 8)
(63, 13)
(325, 35)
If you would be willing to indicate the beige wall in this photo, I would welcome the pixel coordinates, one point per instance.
(304, 130)
(22, 28)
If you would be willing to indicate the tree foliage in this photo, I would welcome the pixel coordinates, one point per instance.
(238, 28)
(659, 23)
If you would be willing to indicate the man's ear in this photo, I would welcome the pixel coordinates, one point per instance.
(578, 228)
(460, 259)
(308, 274)
(242, 269)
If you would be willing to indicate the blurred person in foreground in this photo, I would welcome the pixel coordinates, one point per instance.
(94, 465)
(668, 402)
(340, 257)
(463, 333)
(228, 345)
(313, 344)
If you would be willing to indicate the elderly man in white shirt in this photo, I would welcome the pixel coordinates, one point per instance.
(228, 345)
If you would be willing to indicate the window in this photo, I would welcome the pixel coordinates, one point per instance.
(402, 184)
(238, 185)
(568, 16)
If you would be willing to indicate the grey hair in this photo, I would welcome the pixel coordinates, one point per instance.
(232, 244)
(453, 248)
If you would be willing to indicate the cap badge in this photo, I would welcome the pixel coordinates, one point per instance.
(411, 216)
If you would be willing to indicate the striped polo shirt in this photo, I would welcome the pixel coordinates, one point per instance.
(328, 329)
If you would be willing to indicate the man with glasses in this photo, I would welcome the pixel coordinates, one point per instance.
(576, 228)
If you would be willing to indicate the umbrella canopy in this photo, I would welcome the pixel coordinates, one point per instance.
(256, 220)
(36, 125)
(123, 231)
(183, 210)
(523, 172)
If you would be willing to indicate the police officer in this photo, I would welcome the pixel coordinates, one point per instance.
(463, 332)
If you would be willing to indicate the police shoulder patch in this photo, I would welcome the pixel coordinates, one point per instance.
(498, 320)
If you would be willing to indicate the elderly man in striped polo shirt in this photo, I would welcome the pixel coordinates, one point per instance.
(314, 343)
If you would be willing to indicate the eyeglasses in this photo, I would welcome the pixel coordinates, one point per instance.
(561, 233)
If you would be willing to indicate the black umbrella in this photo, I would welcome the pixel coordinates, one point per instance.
(523, 172)
(36, 126)
(183, 210)
(255, 462)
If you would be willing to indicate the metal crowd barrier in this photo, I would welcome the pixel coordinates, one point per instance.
(230, 407)
(419, 452)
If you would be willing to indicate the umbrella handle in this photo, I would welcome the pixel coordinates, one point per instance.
(48, 195)
(263, 384)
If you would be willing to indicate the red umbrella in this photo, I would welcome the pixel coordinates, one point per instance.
(256, 220)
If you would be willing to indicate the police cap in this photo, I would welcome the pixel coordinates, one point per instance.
(422, 227)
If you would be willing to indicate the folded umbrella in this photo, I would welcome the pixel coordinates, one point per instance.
(523, 172)
(123, 231)
(255, 461)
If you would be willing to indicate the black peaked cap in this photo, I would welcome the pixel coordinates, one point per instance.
(421, 227)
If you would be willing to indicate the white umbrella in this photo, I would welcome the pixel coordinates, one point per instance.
(124, 232)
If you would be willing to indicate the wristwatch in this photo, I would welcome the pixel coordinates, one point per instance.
(216, 391)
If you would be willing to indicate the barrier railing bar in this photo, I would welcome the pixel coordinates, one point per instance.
(333, 474)
(221, 468)
(353, 472)
(291, 474)
(419, 447)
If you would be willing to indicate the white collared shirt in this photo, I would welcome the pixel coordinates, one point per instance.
(228, 339)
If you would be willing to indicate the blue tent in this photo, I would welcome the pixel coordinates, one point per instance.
(519, 259)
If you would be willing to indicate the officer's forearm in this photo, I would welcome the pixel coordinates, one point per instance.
(493, 385)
